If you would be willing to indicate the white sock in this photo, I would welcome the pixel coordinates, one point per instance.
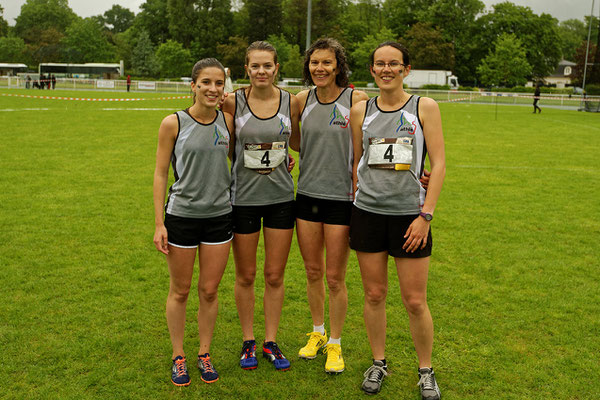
(335, 341)
(320, 329)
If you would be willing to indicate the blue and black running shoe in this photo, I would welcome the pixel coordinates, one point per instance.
(272, 353)
(179, 373)
(248, 357)
(208, 373)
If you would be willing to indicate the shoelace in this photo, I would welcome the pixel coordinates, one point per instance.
(375, 373)
(427, 381)
(314, 338)
(180, 367)
(206, 364)
(276, 352)
(332, 351)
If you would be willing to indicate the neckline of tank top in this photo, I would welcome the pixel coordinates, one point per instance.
(272, 116)
(331, 102)
(187, 111)
(392, 111)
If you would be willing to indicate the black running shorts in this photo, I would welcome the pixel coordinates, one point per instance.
(190, 232)
(247, 219)
(332, 212)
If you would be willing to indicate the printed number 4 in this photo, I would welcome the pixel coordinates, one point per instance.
(389, 153)
(265, 159)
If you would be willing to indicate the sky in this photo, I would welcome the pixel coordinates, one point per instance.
(560, 9)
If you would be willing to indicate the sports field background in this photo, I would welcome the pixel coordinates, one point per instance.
(514, 282)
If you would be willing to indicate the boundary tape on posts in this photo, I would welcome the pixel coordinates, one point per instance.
(91, 99)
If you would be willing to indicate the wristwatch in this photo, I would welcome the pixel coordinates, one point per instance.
(427, 216)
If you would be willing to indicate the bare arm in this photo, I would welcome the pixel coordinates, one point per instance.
(298, 103)
(167, 133)
(357, 114)
(231, 127)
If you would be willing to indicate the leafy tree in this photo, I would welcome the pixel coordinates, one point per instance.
(572, 32)
(233, 55)
(362, 54)
(294, 65)
(400, 15)
(578, 70)
(143, 58)
(118, 19)
(13, 50)
(427, 47)
(174, 60)
(153, 18)
(507, 65)
(326, 17)
(283, 48)
(38, 16)
(264, 18)
(3, 23)
(539, 34)
(85, 42)
(47, 47)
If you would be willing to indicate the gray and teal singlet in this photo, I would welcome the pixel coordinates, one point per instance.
(199, 160)
(385, 191)
(326, 148)
(248, 187)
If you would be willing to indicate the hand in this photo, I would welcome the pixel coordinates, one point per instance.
(160, 239)
(425, 179)
(222, 100)
(292, 163)
(416, 235)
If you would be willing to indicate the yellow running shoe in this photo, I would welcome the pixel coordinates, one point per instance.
(315, 342)
(335, 361)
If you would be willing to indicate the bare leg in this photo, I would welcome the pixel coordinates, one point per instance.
(212, 260)
(413, 273)
(373, 270)
(277, 249)
(181, 269)
(336, 261)
(244, 254)
(311, 241)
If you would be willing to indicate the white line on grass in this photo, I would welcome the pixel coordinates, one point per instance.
(24, 109)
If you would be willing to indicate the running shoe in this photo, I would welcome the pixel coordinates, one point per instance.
(428, 385)
(248, 357)
(208, 372)
(179, 373)
(316, 341)
(335, 361)
(272, 353)
(374, 377)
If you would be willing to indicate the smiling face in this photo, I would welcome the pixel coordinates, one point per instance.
(323, 67)
(388, 68)
(209, 86)
(261, 68)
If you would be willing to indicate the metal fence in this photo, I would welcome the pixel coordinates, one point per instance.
(443, 96)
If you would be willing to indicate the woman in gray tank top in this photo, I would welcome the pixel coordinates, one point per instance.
(262, 192)
(392, 134)
(198, 214)
(325, 192)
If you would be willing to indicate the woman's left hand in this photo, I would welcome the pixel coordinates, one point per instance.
(416, 235)
(292, 163)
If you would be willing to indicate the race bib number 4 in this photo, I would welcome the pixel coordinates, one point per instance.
(264, 157)
(390, 153)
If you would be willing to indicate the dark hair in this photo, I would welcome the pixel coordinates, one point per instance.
(396, 45)
(341, 79)
(264, 46)
(203, 64)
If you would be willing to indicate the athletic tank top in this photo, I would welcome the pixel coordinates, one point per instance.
(326, 148)
(199, 160)
(391, 191)
(261, 142)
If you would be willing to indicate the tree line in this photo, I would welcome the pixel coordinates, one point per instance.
(504, 46)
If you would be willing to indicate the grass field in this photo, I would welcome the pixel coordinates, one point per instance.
(514, 284)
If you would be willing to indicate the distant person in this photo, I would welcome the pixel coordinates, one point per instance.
(48, 82)
(53, 79)
(27, 82)
(41, 81)
(228, 83)
(128, 82)
(536, 98)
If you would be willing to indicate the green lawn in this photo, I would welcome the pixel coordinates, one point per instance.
(514, 281)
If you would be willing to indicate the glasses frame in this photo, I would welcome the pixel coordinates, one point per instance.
(385, 64)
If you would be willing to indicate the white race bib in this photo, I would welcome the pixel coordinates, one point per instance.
(390, 153)
(264, 157)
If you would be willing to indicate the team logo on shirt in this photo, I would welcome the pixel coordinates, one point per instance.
(404, 125)
(283, 128)
(337, 118)
(220, 139)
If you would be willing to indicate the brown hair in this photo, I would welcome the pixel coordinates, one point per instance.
(203, 64)
(396, 45)
(341, 79)
(260, 45)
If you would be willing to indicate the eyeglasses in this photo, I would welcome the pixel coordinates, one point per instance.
(393, 65)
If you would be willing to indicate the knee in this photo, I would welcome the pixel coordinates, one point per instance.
(415, 305)
(375, 296)
(274, 279)
(335, 283)
(179, 294)
(245, 280)
(314, 272)
(208, 294)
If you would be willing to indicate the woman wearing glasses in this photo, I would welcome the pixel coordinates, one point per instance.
(392, 213)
